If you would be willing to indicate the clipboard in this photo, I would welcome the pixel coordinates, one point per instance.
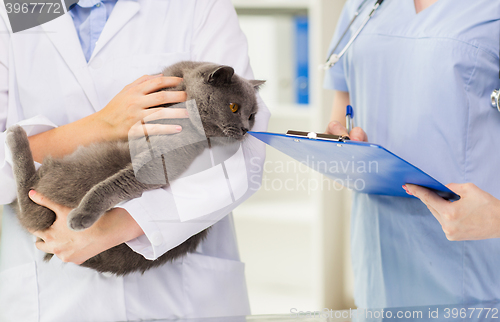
(360, 166)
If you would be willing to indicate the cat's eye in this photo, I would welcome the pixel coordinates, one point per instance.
(234, 107)
(251, 117)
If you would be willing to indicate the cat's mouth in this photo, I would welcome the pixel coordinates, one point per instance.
(234, 132)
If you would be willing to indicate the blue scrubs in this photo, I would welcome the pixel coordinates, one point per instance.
(420, 85)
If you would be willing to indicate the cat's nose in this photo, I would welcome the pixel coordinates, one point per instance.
(244, 130)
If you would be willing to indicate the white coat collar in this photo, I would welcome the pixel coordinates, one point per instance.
(62, 33)
(123, 11)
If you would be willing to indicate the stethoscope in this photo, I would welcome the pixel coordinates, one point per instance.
(495, 96)
(334, 58)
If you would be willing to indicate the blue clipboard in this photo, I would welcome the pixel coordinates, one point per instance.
(363, 167)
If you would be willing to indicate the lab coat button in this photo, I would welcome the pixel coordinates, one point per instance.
(156, 239)
(107, 274)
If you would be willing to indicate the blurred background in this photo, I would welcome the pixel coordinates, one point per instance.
(293, 234)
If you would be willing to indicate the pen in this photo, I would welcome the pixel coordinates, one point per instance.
(349, 114)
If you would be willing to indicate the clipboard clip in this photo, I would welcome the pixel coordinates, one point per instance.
(318, 136)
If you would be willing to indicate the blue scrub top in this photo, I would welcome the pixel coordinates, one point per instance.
(420, 85)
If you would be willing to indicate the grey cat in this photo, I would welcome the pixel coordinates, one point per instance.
(95, 178)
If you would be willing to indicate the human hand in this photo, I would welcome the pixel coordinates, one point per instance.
(136, 102)
(475, 216)
(357, 133)
(113, 228)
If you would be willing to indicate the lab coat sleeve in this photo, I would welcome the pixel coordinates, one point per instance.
(9, 116)
(334, 77)
(167, 221)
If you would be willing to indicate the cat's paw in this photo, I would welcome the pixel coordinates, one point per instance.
(79, 220)
(14, 136)
(15, 129)
(48, 257)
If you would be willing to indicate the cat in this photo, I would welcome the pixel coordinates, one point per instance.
(97, 177)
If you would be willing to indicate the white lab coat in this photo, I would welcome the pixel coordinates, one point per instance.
(46, 82)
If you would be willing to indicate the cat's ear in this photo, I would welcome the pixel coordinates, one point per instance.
(221, 75)
(257, 83)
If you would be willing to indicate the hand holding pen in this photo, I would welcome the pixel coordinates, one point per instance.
(349, 115)
(354, 133)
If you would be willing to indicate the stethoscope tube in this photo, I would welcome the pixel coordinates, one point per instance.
(334, 58)
(356, 14)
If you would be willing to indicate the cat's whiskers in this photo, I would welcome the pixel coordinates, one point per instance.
(232, 131)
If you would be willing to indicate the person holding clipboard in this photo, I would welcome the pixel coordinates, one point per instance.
(419, 75)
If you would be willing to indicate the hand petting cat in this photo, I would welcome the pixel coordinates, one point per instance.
(114, 121)
(134, 103)
(114, 228)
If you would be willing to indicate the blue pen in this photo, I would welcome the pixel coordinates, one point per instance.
(349, 114)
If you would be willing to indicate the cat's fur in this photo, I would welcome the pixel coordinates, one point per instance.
(95, 178)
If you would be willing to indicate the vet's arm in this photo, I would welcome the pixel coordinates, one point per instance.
(115, 120)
